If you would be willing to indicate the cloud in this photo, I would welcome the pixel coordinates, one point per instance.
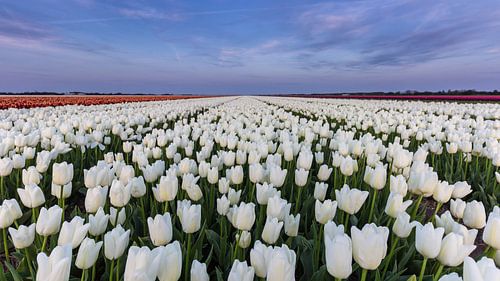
(388, 33)
(17, 29)
(236, 57)
(149, 13)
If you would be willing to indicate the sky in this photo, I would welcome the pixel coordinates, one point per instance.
(249, 47)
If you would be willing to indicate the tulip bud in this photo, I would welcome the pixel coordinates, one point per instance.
(453, 250)
(292, 225)
(457, 208)
(137, 187)
(461, 189)
(244, 239)
(6, 166)
(31, 196)
(264, 192)
(189, 215)
(171, 255)
(223, 205)
(49, 221)
(402, 226)
(115, 242)
(474, 215)
(483, 270)
(122, 216)
(63, 191)
(301, 176)
(243, 216)
(119, 194)
(324, 172)
(55, 267)
(88, 253)
(199, 271)
(281, 264)
(31, 176)
(369, 245)
(12, 208)
(320, 189)
(73, 232)
(213, 175)
(259, 258)
(237, 175)
(223, 185)
(167, 189)
(95, 198)
(256, 172)
(98, 222)
(22, 237)
(443, 191)
(350, 200)
(62, 173)
(338, 251)
(445, 221)
(450, 277)
(160, 229)
(398, 185)
(347, 166)
(325, 212)
(240, 271)
(142, 263)
(376, 178)
(428, 240)
(277, 176)
(194, 192)
(395, 205)
(271, 231)
(491, 231)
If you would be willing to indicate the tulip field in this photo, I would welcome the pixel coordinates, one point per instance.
(251, 188)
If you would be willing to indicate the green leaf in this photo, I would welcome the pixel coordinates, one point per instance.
(213, 238)
(219, 274)
(412, 278)
(13, 272)
(2, 275)
(319, 275)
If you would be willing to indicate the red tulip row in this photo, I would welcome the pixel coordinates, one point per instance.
(43, 101)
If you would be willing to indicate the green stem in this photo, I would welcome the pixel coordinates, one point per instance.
(422, 270)
(83, 275)
(1, 188)
(389, 257)
(363, 274)
(62, 202)
(438, 272)
(346, 221)
(165, 208)
(117, 215)
(318, 247)
(118, 269)
(111, 271)
(235, 251)
(415, 209)
(186, 263)
(297, 203)
(5, 245)
(93, 272)
(30, 263)
(44, 243)
(372, 205)
(438, 206)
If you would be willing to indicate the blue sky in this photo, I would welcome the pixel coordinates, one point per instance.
(249, 47)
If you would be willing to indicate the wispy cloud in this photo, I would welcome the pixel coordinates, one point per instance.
(388, 33)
